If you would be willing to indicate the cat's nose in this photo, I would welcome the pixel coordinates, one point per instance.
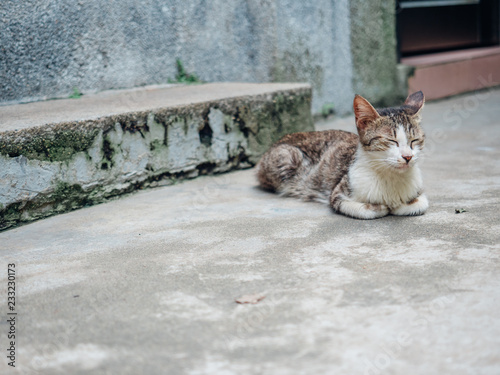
(407, 158)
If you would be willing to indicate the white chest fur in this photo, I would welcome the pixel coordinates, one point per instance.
(372, 183)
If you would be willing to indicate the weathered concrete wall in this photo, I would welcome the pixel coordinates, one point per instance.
(48, 47)
(65, 165)
(313, 45)
(374, 54)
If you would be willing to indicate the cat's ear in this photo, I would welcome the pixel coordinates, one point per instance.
(364, 113)
(415, 102)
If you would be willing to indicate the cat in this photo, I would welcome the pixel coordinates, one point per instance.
(364, 176)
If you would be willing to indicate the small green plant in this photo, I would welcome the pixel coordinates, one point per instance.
(327, 109)
(182, 76)
(76, 93)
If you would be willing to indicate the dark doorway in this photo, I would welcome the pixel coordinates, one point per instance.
(428, 26)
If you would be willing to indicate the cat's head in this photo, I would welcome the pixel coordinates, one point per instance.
(391, 137)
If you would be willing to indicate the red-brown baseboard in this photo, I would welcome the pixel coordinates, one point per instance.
(444, 74)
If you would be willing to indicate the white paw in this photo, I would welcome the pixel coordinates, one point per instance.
(418, 207)
(365, 211)
(374, 211)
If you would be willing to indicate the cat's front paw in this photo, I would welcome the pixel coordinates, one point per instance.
(415, 208)
(374, 211)
(358, 210)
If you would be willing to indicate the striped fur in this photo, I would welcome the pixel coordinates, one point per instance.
(364, 176)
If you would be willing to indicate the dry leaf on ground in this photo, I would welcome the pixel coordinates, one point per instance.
(250, 298)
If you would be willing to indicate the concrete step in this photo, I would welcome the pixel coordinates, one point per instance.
(444, 74)
(59, 155)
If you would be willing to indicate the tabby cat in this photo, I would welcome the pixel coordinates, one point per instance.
(364, 177)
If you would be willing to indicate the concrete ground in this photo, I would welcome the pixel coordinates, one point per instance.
(146, 284)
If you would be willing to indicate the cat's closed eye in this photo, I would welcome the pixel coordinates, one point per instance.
(413, 142)
(371, 140)
(394, 141)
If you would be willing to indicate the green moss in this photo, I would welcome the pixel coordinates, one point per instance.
(327, 109)
(182, 75)
(10, 215)
(63, 198)
(273, 119)
(76, 94)
(48, 145)
(154, 145)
